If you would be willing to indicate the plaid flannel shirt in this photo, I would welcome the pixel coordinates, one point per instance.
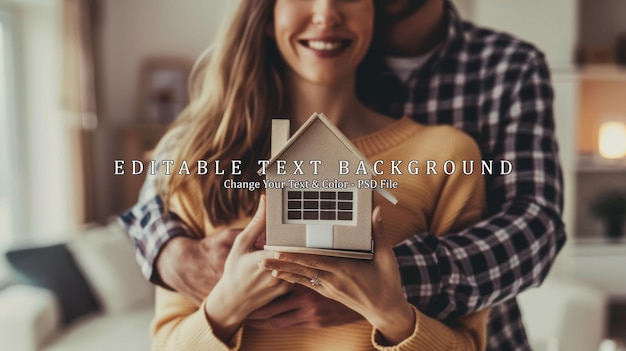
(497, 89)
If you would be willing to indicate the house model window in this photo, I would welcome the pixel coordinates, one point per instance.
(306, 217)
(311, 206)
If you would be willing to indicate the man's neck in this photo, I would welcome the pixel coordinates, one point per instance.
(420, 33)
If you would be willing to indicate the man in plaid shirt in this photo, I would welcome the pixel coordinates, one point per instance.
(495, 88)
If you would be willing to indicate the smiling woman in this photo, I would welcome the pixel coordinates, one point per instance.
(338, 34)
(292, 57)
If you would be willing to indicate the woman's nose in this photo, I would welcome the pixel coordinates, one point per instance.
(326, 13)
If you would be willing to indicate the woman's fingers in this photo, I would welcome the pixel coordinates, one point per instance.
(300, 279)
(247, 238)
(272, 264)
(314, 262)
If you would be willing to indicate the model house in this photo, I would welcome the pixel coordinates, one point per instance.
(312, 206)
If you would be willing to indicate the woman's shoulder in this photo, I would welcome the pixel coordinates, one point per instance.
(446, 140)
(441, 131)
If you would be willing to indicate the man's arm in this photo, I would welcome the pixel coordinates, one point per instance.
(170, 257)
(151, 229)
(461, 273)
(167, 251)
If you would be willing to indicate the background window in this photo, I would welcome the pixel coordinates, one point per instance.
(10, 207)
(5, 196)
(5, 218)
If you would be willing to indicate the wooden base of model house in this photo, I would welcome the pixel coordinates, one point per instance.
(325, 252)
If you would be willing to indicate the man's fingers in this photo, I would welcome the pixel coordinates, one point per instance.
(298, 279)
(291, 319)
(272, 310)
(288, 267)
(277, 307)
(246, 239)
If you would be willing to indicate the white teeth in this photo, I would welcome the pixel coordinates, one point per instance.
(324, 45)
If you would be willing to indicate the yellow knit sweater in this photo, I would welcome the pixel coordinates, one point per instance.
(436, 204)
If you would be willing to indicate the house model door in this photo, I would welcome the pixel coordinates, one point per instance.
(320, 211)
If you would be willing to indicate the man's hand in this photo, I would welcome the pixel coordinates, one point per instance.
(192, 267)
(301, 308)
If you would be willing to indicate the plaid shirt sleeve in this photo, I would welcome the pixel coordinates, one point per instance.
(513, 249)
(151, 228)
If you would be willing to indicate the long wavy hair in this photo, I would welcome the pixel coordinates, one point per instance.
(235, 90)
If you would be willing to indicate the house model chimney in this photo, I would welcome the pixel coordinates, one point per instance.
(280, 134)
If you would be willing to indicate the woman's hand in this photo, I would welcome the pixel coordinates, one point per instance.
(244, 286)
(371, 288)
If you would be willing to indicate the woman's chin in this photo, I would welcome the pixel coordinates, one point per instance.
(328, 78)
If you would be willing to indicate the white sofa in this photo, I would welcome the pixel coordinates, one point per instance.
(31, 320)
(30, 317)
(564, 315)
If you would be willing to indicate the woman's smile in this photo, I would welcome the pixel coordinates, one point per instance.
(323, 41)
(326, 47)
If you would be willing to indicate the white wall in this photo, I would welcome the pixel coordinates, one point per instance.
(465, 8)
(566, 111)
(131, 31)
(551, 25)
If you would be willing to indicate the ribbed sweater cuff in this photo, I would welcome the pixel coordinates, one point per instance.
(201, 333)
(428, 334)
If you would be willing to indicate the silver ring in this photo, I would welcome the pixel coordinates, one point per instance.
(315, 281)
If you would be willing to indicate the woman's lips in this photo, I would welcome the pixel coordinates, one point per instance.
(326, 47)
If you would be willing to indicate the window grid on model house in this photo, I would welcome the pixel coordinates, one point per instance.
(320, 205)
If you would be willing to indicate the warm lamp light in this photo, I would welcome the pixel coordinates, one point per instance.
(612, 140)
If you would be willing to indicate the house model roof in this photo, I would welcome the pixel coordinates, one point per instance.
(341, 137)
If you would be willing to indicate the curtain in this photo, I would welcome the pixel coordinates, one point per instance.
(78, 94)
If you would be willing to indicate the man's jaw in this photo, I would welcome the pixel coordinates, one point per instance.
(397, 10)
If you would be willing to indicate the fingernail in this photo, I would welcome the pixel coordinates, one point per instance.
(274, 273)
(379, 216)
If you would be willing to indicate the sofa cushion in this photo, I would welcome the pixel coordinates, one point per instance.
(560, 309)
(107, 258)
(53, 268)
(118, 332)
(30, 316)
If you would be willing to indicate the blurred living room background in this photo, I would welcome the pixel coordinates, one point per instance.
(87, 82)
